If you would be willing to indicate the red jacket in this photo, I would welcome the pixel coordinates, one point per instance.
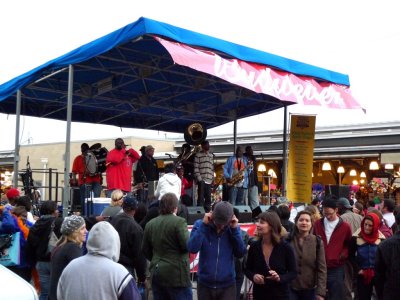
(78, 167)
(337, 251)
(119, 168)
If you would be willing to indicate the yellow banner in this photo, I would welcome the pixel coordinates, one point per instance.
(300, 162)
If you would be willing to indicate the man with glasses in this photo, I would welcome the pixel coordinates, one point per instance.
(336, 236)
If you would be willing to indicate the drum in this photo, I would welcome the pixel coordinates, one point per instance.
(95, 161)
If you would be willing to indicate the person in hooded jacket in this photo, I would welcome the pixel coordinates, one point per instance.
(169, 183)
(363, 248)
(217, 239)
(97, 275)
(38, 240)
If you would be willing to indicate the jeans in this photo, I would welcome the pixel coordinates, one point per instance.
(335, 283)
(239, 283)
(302, 294)
(206, 293)
(204, 195)
(44, 270)
(237, 196)
(170, 293)
(252, 193)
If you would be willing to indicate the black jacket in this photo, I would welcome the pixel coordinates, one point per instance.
(146, 170)
(282, 260)
(131, 236)
(387, 268)
(38, 237)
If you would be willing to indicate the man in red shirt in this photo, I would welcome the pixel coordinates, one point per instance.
(86, 181)
(119, 163)
(336, 236)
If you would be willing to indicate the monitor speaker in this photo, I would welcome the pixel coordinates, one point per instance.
(245, 213)
(337, 190)
(195, 213)
(258, 210)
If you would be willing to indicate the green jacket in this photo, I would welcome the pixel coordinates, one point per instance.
(164, 245)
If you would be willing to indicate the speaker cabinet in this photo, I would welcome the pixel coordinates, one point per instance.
(195, 213)
(245, 213)
(258, 210)
(337, 190)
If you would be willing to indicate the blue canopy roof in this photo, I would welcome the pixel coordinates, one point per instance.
(128, 79)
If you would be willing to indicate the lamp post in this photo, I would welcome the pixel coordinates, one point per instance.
(262, 169)
(340, 171)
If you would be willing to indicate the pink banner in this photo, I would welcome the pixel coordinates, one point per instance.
(262, 79)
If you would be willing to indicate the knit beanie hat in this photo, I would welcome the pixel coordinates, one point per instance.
(71, 223)
(222, 213)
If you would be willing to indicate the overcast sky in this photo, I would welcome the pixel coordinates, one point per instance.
(358, 38)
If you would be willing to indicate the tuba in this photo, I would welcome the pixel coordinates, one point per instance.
(194, 135)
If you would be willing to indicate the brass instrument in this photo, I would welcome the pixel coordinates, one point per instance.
(194, 135)
(240, 175)
(187, 155)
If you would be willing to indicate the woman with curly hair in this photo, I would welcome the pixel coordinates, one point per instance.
(69, 247)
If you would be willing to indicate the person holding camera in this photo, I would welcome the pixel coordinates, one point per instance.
(218, 240)
(119, 164)
(271, 262)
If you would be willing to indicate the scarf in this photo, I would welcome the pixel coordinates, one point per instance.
(370, 238)
(369, 273)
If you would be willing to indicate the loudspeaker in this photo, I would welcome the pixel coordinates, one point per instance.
(195, 213)
(245, 213)
(258, 210)
(337, 190)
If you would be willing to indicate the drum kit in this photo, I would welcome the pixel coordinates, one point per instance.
(95, 159)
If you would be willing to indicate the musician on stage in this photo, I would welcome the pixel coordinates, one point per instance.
(204, 175)
(87, 183)
(252, 191)
(119, 164)
(186, 161)
(236, 176)
(147, 173)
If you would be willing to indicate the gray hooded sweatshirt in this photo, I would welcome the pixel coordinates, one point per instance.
(97, 275)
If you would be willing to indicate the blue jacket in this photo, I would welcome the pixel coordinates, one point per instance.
(229, 167)
(216, 267)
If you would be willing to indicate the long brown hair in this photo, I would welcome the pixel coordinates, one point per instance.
(274, 221)
(296, 219)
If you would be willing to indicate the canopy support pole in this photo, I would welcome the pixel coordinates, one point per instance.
(16, 149)
(234, 136)
(284, 154)
(66, 193)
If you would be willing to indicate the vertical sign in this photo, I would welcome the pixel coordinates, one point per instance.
(301, 154)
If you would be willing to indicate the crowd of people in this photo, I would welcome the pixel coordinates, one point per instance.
(140, 245)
